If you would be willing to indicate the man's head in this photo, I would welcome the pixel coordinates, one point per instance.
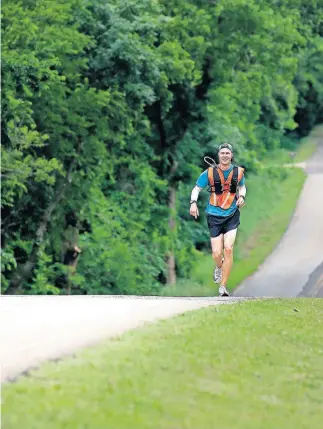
(225, 154)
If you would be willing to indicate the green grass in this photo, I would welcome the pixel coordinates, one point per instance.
(199, 370)
(309, 144)
(305, 151)
(195, 286)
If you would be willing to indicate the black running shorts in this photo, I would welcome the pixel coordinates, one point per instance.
(222, 224)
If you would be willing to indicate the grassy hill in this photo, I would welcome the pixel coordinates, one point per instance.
(252, 365)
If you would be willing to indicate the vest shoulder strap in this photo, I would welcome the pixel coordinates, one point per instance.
(218, 181)
(235, 174)
(215, 180)
(210, 176)
(236, 177)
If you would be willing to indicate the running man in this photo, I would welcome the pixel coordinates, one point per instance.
(227, 195)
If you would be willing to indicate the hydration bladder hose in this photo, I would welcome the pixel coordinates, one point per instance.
(212, 164)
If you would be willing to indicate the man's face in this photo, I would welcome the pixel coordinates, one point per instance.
(225, 156)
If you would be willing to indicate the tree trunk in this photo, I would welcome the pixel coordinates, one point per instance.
(171, 272)
(71, 259)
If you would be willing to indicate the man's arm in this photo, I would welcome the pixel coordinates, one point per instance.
(195, 193)
(202, 181)
(242, 190)
(194, 211)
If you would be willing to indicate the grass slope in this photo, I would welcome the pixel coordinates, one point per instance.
(309, 144)
(200, 370)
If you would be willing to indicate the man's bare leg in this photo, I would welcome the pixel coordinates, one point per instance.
(217, 249)
(229, 239)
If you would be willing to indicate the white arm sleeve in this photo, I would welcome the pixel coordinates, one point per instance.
(242, 190)
(195, 193)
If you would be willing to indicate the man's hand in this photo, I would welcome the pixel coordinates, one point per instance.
(240, 202)
(194, 211)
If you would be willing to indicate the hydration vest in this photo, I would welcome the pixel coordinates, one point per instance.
(223, 192)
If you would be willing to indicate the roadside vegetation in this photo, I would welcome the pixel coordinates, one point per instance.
(108, 109)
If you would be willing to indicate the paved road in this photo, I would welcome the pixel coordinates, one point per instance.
(314, 285)
(287, 271)
(38, 328)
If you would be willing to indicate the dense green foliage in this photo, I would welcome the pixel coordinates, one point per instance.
(107, 111)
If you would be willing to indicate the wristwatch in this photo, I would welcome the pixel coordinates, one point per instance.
(193, 201)
(242, 196)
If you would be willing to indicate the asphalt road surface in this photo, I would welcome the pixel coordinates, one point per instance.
(314, 285)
